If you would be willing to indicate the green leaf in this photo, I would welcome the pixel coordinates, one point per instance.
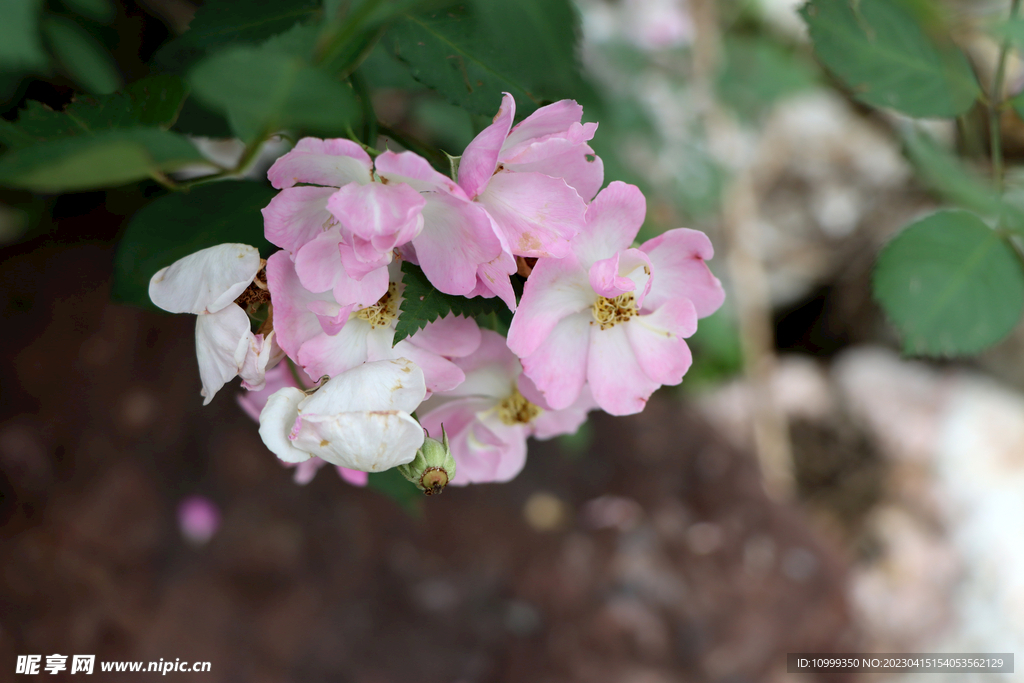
(879, 51)
(152, 101)
(472, 52)
(223, 23)
(104, 159)
(758, 72)
(264, 90)
(81, 56)
(397, 488)
(20, 46)
(423, 304)
(176, 225)
(950, 284)
(959, 184)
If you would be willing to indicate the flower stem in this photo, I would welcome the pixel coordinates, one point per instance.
(995, 107)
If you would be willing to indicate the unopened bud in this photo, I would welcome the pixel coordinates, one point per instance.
(433, 467)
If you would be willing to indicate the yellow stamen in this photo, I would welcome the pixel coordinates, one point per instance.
(515, 409)
(611, 312)
(382, 312)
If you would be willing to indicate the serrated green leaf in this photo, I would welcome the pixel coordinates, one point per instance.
(758, 71)
(104, 159)
(472, 52)
(81, 56)
(264, 90)
(151, 101)
(422, 304)
(223, 23)
(950, 284)
(949, 177)
(882, 54)
(176, 225)
(20, 46)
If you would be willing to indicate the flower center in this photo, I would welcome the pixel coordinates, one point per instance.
(611, 312)
(382, 312)
(515, 409)
(257, 293)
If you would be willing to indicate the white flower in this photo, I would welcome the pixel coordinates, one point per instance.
(206, 284)
(360, 419)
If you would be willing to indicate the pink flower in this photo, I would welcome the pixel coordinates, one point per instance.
(534, 178)
(489, 416)
(325, 338)
(612, 317)
(198, 519)
(345, 220)
(253, 402)
(206, 284)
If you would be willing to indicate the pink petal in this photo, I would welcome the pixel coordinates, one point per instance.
(358, 267)
(555, 289)
(306, 470)
(480, 455)
(552, 423)
(354, 477)
(451, 336)
(549, 120)
(613, 221)
(297, 215)
(622, 273)
(333, 162)
(538, 215)
(439, 373)
(384, 215)
(414, 170)
(577, 165)
(362, 292)
(293, 321)
(252, 402)
(333, 355)
(616, 378)
(457, 237)
(318, 263)
(481, 155)
(494, 279)
(677, 259)
(559, 365)
(657, 340)
(330, 315)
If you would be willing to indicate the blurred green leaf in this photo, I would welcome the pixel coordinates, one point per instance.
(223, 23)
(1009, 29)
(151, 101)
(264, 90)
(422, 304)
(81, 56)
(104, 159)
(950, 284)
(878, 49)
(959, 184)
(717, 352)
(472, 52)
(178, 224)
(20, 46)
(98, 10)
(758, 71)
(399, 489)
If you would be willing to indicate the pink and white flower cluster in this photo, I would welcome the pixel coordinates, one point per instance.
(601, 322)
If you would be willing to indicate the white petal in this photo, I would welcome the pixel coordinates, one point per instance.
(222, 341)
(206, 281)
(276, 422)
(366, 441)
(378, 386)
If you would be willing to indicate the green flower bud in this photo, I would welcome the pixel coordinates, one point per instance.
(433, 467)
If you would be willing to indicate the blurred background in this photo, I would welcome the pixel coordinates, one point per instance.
(806, 489)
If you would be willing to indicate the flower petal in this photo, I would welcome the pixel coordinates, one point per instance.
(385, 216)
(365, 441)
(457, 237)
(296, 215)
(480, 157)
(414, 170)
(559, 365)
(657, 340)
(294, 323)
(222, 340)
(677, 260)
(552, 119)
(276, 422)
(206, 281)
(378, 386)
(555, 289)
(577, 165)
(538, 215)
(616, 378)
(333, 162)
(451, 336)
(613, 221)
